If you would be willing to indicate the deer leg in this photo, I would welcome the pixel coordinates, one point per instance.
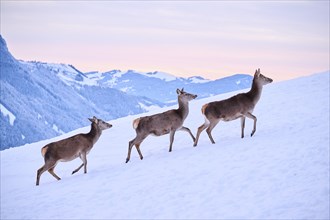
(199, 131)
(84, 159)
(48, 165)
(138, 150)
(51, 171)
(254, 118)
(171, 139)
(188, 130)
(242, 126)
(130, 145)
(136, 141)
(76, 170)
(210, 128)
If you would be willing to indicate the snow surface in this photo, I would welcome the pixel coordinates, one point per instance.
(282, 172)
(160, 75)
(64, 71)
(8, 113)
(198, 79)
(55, 128)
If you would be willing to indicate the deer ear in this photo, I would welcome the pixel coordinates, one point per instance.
(182, 90)
(91, 120)
(256, 74)
(178, 91)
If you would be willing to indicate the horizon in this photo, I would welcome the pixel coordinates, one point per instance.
(213, 39)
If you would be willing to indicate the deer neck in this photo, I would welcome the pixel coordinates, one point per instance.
(183, 109)
(94, 133)
(255, 91)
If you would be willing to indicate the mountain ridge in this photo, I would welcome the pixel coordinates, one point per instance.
(49, 99)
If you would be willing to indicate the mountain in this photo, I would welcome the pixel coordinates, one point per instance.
(42, 100)
(282, 172)
(37, 102)
(162, 86)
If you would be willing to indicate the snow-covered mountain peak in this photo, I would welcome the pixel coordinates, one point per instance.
(198, 79)
(47, 98)
(66, 72)
(160, 75)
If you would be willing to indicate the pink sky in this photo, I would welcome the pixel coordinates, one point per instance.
(213, 39)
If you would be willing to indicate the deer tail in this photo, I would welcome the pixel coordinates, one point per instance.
(44, 150)
(203, 108)
(136, 123)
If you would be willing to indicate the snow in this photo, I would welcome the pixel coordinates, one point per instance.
(119, 74)
(55, 128)
(150, 107)
(64, 71)
(68, 75)
(160, 75)
(115, 75)
(126, 89)
(198, 79)
(6, 113)
(282, 172)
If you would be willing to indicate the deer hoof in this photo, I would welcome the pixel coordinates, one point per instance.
(127, 160)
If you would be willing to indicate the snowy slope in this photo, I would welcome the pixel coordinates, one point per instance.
(280, 173)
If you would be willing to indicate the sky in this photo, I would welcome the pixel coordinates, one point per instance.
(213, 39)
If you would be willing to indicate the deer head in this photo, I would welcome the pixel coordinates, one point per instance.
(261, 79)
(184, 96)
(100, 123)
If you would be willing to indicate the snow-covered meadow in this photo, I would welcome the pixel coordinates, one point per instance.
(282, 172)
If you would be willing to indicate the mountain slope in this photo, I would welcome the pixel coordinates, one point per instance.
(282, 172)
(162, 86)
(45, 105)
(46, 99)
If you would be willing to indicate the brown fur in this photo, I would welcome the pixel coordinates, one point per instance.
(162, 123)
(238, 106)
(70, 148)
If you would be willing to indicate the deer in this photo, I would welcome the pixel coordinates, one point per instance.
(159, 124)
(239, 106)
(71, 148)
